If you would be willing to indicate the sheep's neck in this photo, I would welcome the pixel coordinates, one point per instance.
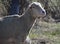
(28, 20)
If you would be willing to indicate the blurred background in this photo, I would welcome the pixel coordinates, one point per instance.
(47, 30)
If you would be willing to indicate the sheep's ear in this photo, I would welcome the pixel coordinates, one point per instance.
(30, 7)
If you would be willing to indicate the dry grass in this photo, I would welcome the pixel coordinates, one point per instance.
(4, 4)
(47, 31)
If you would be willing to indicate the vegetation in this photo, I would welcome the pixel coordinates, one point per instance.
(47, 30)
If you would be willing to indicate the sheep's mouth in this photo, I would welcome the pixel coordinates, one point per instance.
(41, 17)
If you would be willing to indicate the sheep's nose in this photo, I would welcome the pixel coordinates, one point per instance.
(44, 12)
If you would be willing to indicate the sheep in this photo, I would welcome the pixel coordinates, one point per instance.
(15, 28)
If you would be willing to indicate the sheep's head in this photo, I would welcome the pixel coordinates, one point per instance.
(37, 9)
